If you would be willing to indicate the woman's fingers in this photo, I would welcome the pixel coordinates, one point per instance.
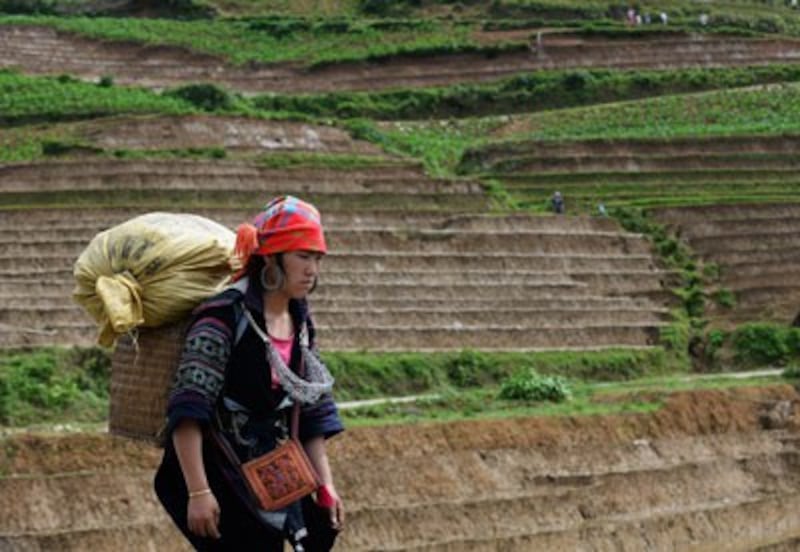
(212, 529)
(203, 516)
(206, 528)
(337, 515)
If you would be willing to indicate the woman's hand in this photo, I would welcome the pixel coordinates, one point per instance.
(328, 498)
(203, 510)
(203, 515)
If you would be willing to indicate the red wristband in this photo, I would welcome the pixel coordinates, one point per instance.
(325, 497)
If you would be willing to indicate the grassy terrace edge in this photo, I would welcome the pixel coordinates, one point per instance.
(313, 41)
(57, 384)
(69, 386)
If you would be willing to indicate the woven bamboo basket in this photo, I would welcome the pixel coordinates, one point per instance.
(142, 374)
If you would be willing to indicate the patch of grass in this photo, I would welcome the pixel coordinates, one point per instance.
(767, 110)
(736, 15)
(540, 91)
(747, 14)
(636, 396)
(370, 375)
(185, 153)
(699, 177)
(438, 144)
(453, 146)
(53, 385)
(167, 8)
(56, 385)
(725, 298)
(486, 404)
(299, 8)
(270, 40)
(25, 99)
(343, 161)
(583, 198)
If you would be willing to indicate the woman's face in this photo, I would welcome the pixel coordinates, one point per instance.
(302, 269)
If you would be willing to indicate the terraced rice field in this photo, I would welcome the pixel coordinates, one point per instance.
(712, 470)
(43, 51)
(441, 263)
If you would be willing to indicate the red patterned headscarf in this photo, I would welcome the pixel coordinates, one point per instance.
(285, 224)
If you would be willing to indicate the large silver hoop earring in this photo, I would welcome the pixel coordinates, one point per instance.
(273, 283)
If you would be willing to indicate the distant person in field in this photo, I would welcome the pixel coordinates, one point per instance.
(664, 18)
(557, 203)
(250, 357)
(601, 209)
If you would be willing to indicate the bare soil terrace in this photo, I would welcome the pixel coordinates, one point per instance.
(710, 470)
(43, 50)
(755, 246)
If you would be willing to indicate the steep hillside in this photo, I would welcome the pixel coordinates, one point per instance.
(394, 232)
(433, 135)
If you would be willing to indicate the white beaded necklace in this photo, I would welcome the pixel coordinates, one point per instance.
(318, 379)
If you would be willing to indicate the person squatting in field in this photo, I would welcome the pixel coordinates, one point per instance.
(236, 385)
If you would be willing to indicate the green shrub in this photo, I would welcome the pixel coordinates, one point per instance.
(792, 371)
(725, 298)
(711, 271)
(463, 370)
(528, 385)
(676, 336)
(30, 7)
(207, 97)
(577, 80)
(58, 147)
(279, 27)
(715, 339)
(367, 375)
(384, 8)
(712, 346)
(761, 343)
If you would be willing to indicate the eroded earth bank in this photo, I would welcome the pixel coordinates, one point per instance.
(710, 470)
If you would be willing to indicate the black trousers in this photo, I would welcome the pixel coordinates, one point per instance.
(241, 530)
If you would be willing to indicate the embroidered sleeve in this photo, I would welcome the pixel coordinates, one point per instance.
(201, 371)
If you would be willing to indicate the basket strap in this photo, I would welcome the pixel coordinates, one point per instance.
(241, 323)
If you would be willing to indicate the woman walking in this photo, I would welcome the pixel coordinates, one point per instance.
(248, 359)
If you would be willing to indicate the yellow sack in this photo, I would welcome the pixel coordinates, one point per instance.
(152, 270)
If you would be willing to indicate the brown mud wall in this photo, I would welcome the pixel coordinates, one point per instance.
(710, 470)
